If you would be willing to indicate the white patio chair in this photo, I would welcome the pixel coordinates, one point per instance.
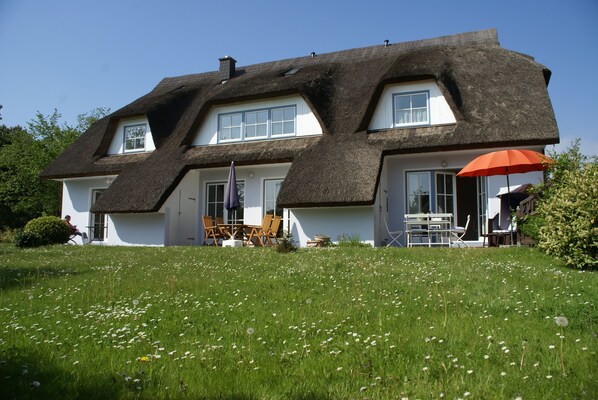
(459, 231)
(394, 235)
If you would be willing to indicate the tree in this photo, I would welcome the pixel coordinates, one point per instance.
(566, 221)
(24, 154)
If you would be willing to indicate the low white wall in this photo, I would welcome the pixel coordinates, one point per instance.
(333, 222)
(136, 229)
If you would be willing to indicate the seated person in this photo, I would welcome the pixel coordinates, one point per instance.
(72, 228)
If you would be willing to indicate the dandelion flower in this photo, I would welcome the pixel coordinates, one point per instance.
(561, 321)
(250, 331)
(144, 359)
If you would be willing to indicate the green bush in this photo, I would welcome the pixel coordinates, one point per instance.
(286, 244)
(567, 219)
(26, 239)
(353, 240)
(7, 235)
(50, 230)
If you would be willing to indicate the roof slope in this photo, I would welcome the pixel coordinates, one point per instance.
(499, 98)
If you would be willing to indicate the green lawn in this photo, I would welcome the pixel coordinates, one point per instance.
(95, 322)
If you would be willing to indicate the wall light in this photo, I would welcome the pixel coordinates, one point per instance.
(251, 175)
(443, 163)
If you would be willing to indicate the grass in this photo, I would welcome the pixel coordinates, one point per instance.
(202, 323)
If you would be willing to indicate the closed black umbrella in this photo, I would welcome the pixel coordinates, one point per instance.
(231, 195)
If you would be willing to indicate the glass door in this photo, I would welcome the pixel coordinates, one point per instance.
(482, 204)
(445, 193)
(97, 223)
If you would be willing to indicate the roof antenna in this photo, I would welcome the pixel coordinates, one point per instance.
(386, 41)
(313, 54)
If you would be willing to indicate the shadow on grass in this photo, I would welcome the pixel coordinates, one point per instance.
(23, 277)
(27, 375)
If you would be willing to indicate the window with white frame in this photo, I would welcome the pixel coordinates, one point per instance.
(445, 192)
(215, 202)
(257, 124)
(135, 137)
(271, 189)
(411, 108)
(419, 189)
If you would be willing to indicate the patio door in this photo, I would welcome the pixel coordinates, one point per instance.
(97, 222)
(445, 193)
(418, 192)
(215, 202)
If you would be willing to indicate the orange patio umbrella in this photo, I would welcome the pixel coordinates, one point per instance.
(505, 162)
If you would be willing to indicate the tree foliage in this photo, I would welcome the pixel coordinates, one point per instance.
(566, 221)
(24, 153)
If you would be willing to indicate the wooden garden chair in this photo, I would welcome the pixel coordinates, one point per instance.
(210, 230)
(272, 234)
(259, 231)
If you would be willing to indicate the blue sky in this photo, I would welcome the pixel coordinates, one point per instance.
(75, 55)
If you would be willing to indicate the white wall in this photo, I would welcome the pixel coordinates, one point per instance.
(333, 222)
(76, 199)
(117, 144)
(136, 229)
(440, 112)
(306, 123)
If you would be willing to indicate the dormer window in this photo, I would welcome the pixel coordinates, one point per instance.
(411, 109)
(134, 137)
(266, 123)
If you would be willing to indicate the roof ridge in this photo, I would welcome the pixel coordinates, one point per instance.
(487, 36)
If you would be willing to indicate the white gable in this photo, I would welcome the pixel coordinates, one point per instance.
(117, 146)
(306, 122)
(440, 112)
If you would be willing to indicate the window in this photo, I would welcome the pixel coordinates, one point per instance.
(97, 222)
(230, 127)
(411, 109)
(271, 189)
(418, 192)
(482, 189)
(283, 121)
(215, 202)
(135, 137)
(257, 124)
(445, 193)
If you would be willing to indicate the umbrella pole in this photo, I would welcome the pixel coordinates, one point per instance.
(510, 210)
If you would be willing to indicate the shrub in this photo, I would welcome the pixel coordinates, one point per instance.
(351, 241)
(286, 244)
(7, 235)
(26, 239)
(50, 230)
(567, 219)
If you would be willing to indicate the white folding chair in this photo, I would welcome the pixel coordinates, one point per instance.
(394, 235)
(459, 231)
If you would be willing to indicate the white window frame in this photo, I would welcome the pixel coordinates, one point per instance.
(98, 223)
(395, 96)
(429, 192)
(230, 127)
(267, 200)
(134, 138)
(284, 122)
(453, 195)
(243, 124)
(225, 215)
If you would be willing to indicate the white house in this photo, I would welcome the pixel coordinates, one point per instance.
(334, 143)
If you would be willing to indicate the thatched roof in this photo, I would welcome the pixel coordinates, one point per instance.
(498, 97)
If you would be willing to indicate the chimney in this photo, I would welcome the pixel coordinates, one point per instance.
(227, 68)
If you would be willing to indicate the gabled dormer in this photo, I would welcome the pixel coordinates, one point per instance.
(409, 105)
(271, 119)
(132, 135)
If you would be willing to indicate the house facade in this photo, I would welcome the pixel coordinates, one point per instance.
(335, 143)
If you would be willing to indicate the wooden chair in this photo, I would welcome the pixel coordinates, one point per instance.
(222, 227)
(272, 233)
(259, 231)
(210, 230)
